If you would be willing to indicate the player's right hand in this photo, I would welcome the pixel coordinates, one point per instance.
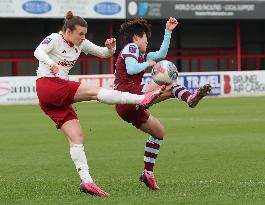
(171, 24)
(54, 69)
(110, 43)
(151, 63)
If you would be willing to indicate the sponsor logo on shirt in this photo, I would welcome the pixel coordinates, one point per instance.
(132, 49)
(46, 41)
(66, 63)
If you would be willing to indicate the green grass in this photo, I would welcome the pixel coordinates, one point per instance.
(213, 154)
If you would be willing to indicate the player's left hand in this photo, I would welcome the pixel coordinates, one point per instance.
(110, 43)
(171, 24)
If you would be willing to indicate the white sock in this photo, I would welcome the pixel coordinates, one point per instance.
(108, 96)
(79, 158)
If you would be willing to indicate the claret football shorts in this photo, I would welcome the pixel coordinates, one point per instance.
(128, 112)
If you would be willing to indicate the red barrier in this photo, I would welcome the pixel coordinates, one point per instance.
(193, 57)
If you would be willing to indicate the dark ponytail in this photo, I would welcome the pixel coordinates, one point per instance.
(69, 15)
(70, 21)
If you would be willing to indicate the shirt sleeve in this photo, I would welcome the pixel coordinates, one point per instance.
(46, 46)
(90, 48)
(130, 50)
(133, 67)
(162, 53)
(130, 54)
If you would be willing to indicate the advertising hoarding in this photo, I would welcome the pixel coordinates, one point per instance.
(155, 9)
(22, 90)
(96, 9)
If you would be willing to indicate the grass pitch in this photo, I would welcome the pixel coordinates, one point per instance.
(213, 154)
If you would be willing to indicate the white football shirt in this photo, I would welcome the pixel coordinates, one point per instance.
(54, 49)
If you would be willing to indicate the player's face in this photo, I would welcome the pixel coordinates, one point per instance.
(141, 42)
(78, 35)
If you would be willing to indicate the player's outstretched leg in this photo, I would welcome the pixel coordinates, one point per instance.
(185, 95)
(195, 98)
(150, 98)
(111, 97)
(149, 179)
(93, 189)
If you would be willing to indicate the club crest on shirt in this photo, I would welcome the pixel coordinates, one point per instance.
(46, 41)
(132, 49)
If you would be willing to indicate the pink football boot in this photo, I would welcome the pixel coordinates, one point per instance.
(149, 179)
(195, 98)
(93, 189)
(149, 99)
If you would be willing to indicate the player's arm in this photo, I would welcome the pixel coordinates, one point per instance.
(133, 67)
(41, 52)
(130, 54)
(162, 52)
(103, 52)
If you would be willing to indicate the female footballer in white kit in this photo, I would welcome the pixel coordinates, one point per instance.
(57, 54)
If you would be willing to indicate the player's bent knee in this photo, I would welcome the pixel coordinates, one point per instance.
(161, 133)
(77, 138)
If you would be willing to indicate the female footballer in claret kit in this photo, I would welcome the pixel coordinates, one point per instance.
(132, 61)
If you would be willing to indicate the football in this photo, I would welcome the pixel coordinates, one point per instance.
(164, 72)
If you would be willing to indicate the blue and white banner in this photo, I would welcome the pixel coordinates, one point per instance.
(192, 81)
(96, 9)
(22, 90)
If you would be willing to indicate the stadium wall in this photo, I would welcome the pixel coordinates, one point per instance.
(211, 37)
(22, 90)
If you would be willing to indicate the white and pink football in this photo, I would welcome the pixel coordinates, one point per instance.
(164, 72)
